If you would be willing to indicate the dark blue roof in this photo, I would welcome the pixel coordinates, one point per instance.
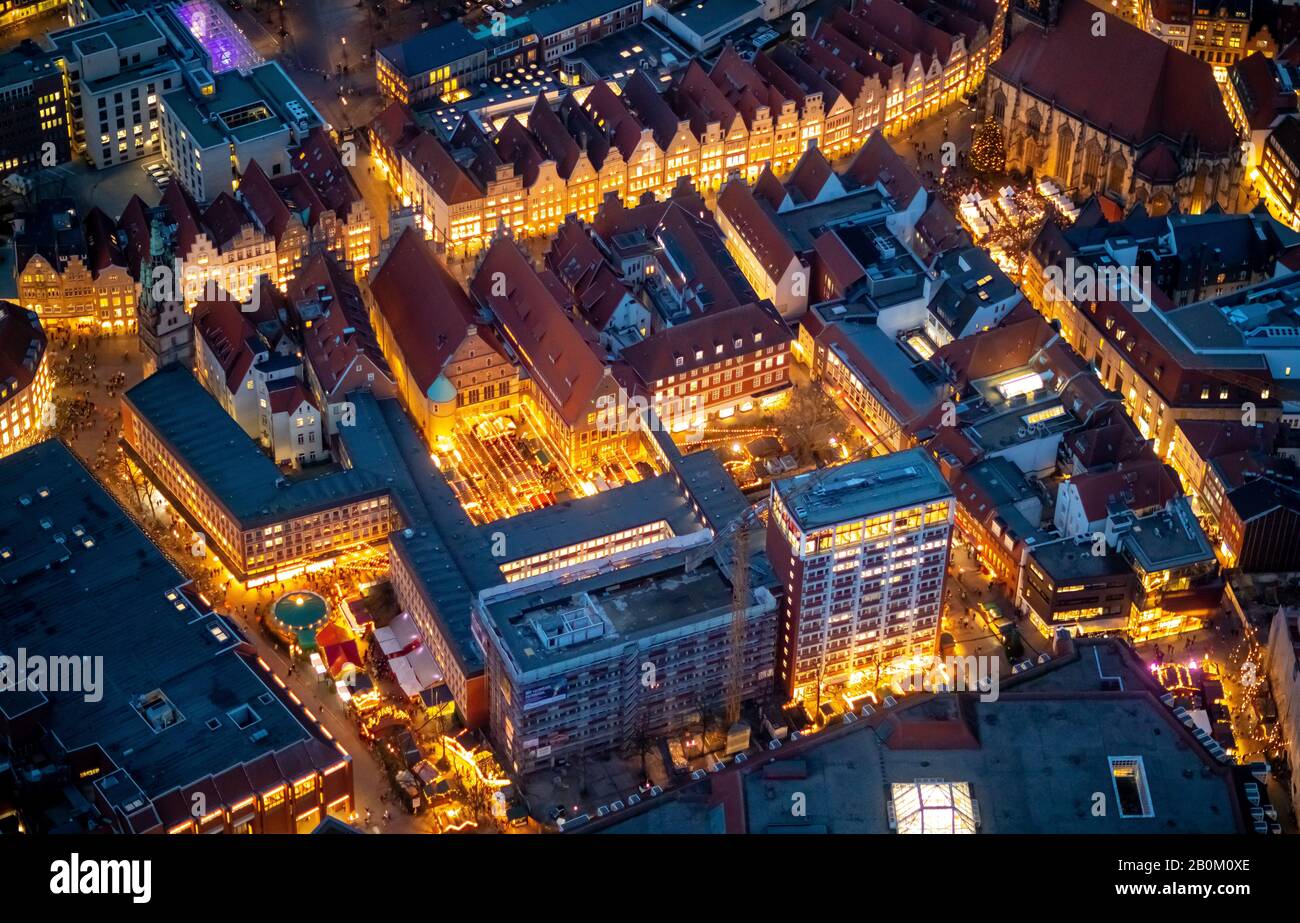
(108, 597)
(433, 48)
(227, 461)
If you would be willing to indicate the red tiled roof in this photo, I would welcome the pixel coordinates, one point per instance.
(287, 395)
(270, 301)
(184, 214)
(342, 332)
(263, 201)
(1109, 442)
(806, 78)
(426, 309)
(394, 127)
(954, 441)
(553, 137)
(896, 28)
(810, 176)
(1138, 485)
(1211, 438)
(561, 352)
(613, 117)
(134, 222)
(22, 344)
(224, 219)
(516, 145)
(1265, 99)
(318, 161)
(1135, 86)
(1157, 165)
(583, 129)
(299, 197)
(940, 229)
(656, 356)
(433, 161)
(837, 261)
(757, 227)
(876, 162)
(652, 111)
(577, 261)
(769, 188)
(743, 86)
(230, 337)
(698, 98)
(700, 262)
(1012, 344)
(102, 250)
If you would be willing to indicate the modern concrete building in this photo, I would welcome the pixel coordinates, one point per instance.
(262, 525)
(118, 68)
(210, 137)
(35, 128)
(862, 551)
(1086, 728)
(177, 714)
(617, 660)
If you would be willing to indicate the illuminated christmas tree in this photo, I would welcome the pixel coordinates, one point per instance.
(988, 155)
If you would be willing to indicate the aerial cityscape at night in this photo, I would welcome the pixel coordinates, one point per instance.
(569, 417)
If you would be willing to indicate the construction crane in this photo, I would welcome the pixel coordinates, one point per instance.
(739, 605)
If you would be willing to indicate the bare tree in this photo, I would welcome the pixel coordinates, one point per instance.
(806, 419)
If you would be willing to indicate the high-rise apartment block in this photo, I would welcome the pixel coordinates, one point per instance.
(862, 552)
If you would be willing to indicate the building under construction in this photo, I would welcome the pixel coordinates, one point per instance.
(615, 661)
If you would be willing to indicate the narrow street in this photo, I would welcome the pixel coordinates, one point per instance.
(95, 371)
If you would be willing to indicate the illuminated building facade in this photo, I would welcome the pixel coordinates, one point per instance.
(73, 273)
(1215, 31)
(712, 366)
(341, 353)
(34, 123)
(1219, 32)
(844, 82)
(214, 250)
(210, 137)
(1260, 92)
(316, 204)
(118, 68)
(1155, 355)
(569, 378)
(1101, 136)
(1178, 575)
(259, 524)
(431, 65)
(886, 390)
(447, 361)
(1278, 176)
(567, 662)
(1260, 523)
(862, 553)
(447, 61)
(25, 384)
(1067, 586)
(437, 593)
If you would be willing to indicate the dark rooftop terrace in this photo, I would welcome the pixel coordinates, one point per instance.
(113, 595)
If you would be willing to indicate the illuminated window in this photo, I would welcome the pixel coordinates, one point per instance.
(1021, 384)
(1131, 792)
(933, 806)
